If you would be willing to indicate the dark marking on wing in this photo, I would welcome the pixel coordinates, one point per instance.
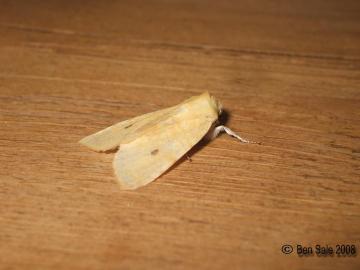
(128, 126)
(154, 152)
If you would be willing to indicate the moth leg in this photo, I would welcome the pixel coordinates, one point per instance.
(219, 129)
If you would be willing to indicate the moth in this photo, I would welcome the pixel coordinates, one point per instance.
(151, 143)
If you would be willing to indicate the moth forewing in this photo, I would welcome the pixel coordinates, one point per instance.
(146, 158)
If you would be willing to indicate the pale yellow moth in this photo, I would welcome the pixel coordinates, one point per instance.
(151, 143)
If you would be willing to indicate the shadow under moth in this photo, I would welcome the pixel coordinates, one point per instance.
(150, 144)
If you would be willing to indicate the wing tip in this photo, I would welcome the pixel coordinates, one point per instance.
(87, 143)
(127, 181)
(123, 184)
(90, 143)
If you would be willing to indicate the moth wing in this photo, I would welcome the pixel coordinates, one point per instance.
(146, 158)
(125, 131)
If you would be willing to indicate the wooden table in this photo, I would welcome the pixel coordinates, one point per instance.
(288, 74)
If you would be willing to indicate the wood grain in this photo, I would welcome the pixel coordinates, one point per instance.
(288, 74)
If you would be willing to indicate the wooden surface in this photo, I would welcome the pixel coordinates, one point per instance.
(288, 74)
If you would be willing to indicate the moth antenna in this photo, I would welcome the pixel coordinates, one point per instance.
(219, 129)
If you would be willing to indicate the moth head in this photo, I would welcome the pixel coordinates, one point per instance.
(216, 104)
